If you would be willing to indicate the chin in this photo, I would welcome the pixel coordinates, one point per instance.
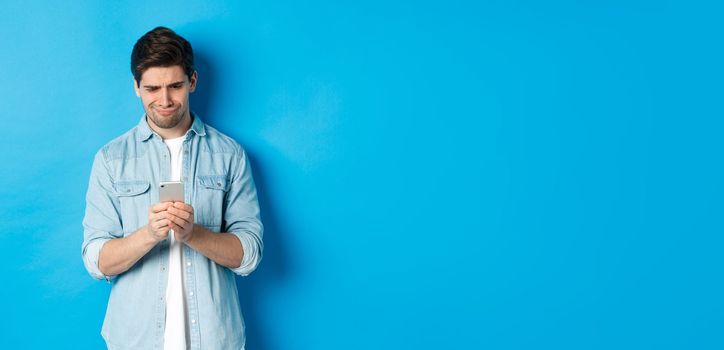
(166, 122)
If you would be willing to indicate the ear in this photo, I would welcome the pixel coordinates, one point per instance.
(192, 82)
(135, 87)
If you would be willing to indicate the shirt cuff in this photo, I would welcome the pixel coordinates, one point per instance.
(252, 254)
(91, 255)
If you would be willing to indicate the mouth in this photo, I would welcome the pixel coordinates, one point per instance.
(165, 111)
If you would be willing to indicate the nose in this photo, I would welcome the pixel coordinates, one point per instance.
(165, 99)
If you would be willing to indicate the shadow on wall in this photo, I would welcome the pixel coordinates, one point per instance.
(205, 88)
(273, 268)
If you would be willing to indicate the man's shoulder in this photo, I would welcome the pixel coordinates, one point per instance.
(121, 146)
(218, 142)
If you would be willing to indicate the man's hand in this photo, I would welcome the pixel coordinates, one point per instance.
(181, 220)
(159, 220)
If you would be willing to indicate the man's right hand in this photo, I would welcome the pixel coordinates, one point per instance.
(158, 222)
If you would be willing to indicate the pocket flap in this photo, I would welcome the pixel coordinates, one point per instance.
(131, 188)
(217, 182)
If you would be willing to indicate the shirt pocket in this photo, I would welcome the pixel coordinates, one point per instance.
(210, 196)
(134, 201)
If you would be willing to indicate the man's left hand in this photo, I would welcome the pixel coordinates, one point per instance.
(181, 216)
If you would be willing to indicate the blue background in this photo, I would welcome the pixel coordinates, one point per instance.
(457, 175)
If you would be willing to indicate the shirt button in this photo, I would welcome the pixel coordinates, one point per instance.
(188, 263)
(191, 293)
(193, 321)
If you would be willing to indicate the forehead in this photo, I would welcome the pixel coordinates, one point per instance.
(163, 75)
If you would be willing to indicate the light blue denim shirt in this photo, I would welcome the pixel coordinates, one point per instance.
(124, 183)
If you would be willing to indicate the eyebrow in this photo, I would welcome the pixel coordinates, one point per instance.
(158, 86)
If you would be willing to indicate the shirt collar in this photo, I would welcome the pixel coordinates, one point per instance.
(145, 132)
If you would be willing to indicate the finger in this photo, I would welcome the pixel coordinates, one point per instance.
(158, 230)
(159, 207)
(160, 224)
(183, 206)
(178, 220)
(158, 216)
(180, 213)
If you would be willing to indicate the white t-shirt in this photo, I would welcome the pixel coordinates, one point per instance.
(176, 334)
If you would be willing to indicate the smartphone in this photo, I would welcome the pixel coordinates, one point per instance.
(171, 191)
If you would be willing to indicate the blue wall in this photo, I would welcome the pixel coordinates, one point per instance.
(458, 175)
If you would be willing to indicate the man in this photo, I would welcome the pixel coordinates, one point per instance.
(171, 265)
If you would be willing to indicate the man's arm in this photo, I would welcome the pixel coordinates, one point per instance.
(241, 216)
(101, 223)
(120, 254)
(238, 249)
(223, 248)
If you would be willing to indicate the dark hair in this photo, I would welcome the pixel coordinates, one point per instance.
(161, 47)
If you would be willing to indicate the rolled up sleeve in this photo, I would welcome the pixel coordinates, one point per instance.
(242, 215)
(102, 220)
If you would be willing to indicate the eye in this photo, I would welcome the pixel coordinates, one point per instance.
(177, 86)
(151, 89)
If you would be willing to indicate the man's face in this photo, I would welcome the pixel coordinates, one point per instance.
(164, 92)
